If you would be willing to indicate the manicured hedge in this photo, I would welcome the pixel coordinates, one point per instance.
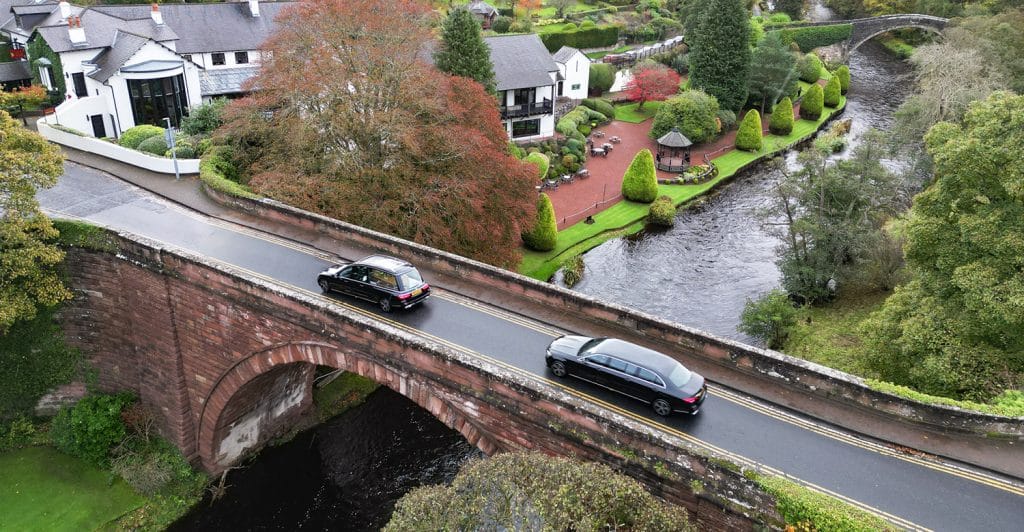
(544, 234)
(663, 212)
(602, 106)
(640, 183)
(830, 96)
(595, 37)
(813, 37)
(542, 162)
(218, 172)
(843, 73)
(781, 122)
(813, 102)
(748, 138)
(134, 136)
(155, 145)
(810, 68)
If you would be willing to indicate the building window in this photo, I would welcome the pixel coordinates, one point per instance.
(218, 58)
(575, 86)
(154, 99)
(525, 128)
(241, 58)
(45, 77)
(79, 79)
(186, 57)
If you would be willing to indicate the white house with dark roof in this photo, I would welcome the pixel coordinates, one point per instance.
(574, 67)
(525, 79)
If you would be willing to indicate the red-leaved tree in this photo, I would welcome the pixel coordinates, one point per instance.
(346, 119)
(652, 83)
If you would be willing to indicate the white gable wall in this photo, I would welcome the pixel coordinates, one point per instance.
(576, 71)
(205, 60)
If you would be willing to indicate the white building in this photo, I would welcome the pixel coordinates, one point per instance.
(525, 78)
(574, 68)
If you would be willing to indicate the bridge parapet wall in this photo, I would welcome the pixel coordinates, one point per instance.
(799, 384)
(200, 343)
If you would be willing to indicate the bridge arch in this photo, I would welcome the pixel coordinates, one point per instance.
(286, 363)
(866, 29)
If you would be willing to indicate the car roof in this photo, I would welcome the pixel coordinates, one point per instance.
(385, 262)
(638, 355)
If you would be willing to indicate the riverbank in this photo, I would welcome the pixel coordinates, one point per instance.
(626, 217)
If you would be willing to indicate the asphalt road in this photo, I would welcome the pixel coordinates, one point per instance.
(913, 492)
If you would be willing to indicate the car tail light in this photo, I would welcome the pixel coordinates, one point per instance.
(404, 296)
(691, 400)
(426, 287)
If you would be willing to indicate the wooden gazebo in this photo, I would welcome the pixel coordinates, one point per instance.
(673, 152)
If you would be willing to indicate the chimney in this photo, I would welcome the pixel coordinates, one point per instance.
(158, 17)
(254, 8)
(75, 31)
(65, 9)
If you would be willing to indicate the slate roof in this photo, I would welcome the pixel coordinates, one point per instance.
(48, 15)
(123, 47)
(674, 139)
(14, 71)
(564, 54)
(100, 29)
(520, 61)
(208, 27)
(480, 7)
(216, 81)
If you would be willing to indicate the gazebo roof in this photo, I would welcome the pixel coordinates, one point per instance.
(674, 139)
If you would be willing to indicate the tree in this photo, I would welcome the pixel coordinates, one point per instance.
(781, 122)
(843, 73)
(810, 68)
(28, 257)
(561, 6)
(793, 8)
(602, 77)
(544, 234)
(529, 6)
(653, 82)
(365, 131)
(830, 95)
(720, 57)
(526, 491)
(22, 97)
(205, 118)
(813, 103)
(769, 318)
(748, 138)
(772, 71)
(462, 51)
(957, 328)
(693, 112)
(640, 183)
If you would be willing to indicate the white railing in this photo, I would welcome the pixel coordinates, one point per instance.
(110, 150)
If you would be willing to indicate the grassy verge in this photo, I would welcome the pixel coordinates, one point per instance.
(619, 50)
(84, 235)
(627, 217)
(897, 47)
(805, 509)
(629, 112)
(43, 489)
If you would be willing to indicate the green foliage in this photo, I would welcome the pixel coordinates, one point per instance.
(205, 118)
(544, 234)
(35, 359)
(800, 506)
(843, 73)
(693, 112)
(720, 53)
(772, 72)
(520, 491)
(572, 271)
(813, 37)
(38, 49)
(1010, 403)
(812, 103)
(640, 183)
(218, 172)
(781, 121)
(542, 163)
(91, 428)
(790, 10)
(749, 136)
(155, 145)
(727, 118)
(770, 318)
(84, 235)
(602, 77)
(136, 135)
(663, 212)
(957, 328)
(462, 51)
(501, 24)
(593, 37)
(810, 68)
(602, 106)
(20, 432)
(830, 95)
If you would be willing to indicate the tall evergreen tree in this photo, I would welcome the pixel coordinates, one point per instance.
(463, 51)
(772, 71)
(720, 58)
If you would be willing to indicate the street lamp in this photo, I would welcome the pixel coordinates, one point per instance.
(169, 136)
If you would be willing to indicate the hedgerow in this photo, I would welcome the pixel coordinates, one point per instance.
(813, 37)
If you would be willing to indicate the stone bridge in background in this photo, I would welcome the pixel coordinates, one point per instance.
(865, 29)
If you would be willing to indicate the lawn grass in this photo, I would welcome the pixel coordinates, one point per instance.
(830, 338)
(619, 50)
(629, 112)
(43, 489)
(627, 217)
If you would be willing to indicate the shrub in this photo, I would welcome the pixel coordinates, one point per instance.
(91, 428)
(781, 121)
(136, 135)
(770, 318)
(544, 234)
(830, 95)
(843, 73)
(20, 433)
(218, 172)
(501, 24)
(640, 183)
(812, 104)
(813, 37)
(202, 120)
(810, 68)
(181, 151)
(602, 106)
(693, 112)
(594, 37)
(727, 118)
(572, 271)
(663, 212)
(155, 145)
(602, 77)
(587, 24)
(542, 162)
(749, 136)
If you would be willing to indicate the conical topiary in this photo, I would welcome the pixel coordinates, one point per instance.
(781, 122)
(830, 96)
(748, 138)
(811, 105)
(544, 235)
(640, 182)
(843, 73)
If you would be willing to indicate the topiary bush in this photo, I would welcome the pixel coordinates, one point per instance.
(694, 112)
(812, 103)
(830, 95)
(640, 183)
(136, 135)
(602, 77)
(781, 122)
(749, 136)
(155, 145)
(542, 162)
(501, 24)
(544, 234)
(843, 73)
(662, 213)
(600, 105)
(91, 428)
(810, 68)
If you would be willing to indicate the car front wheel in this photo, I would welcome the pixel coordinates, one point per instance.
(661, 407)
(558, 368)
(385, 304)
(323, 285)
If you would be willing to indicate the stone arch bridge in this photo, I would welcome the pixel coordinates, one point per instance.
(865, 29)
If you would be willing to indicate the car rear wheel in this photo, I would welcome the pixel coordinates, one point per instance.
(323, 285)
(558, 368)
(385, 304)
(661, 407)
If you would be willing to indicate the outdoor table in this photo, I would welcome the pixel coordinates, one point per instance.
(598, 134)
(607, 146)
(597, 151)
(551, 183)
(583, 172)
(567, 178)
(615, 139)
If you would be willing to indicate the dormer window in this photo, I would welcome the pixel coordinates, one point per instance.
(218, 58)
(241, 58)
(186, 57)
